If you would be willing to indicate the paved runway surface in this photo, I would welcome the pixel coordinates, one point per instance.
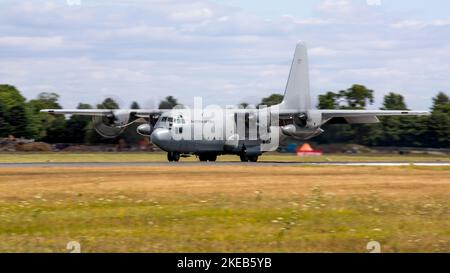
(258, 164)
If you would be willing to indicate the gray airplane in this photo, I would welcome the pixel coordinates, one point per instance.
(209, 132)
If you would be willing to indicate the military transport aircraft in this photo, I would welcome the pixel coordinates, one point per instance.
(212, 131)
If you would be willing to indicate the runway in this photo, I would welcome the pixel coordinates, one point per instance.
(253, 164)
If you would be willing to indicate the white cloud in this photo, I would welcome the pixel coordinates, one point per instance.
(441, 23)
(192, 15)
(418, 24)
(322, 51)
(31, 42)
(336, 6)
(305, 21)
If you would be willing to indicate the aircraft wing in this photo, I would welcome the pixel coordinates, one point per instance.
(144, 113)
(366, 116)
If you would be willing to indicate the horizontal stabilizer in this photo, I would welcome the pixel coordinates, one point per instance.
(362, 116)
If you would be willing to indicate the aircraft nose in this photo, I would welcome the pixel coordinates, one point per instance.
(161, 137)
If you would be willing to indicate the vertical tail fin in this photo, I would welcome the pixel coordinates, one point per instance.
(297, 94)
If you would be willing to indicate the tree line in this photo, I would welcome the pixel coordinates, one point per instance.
(21, 118)
(425, 131)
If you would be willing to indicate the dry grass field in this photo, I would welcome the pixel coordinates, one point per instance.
(225, 209)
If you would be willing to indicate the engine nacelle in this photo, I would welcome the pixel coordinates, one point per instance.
(301, 130)
(145, 129)
(300, 133)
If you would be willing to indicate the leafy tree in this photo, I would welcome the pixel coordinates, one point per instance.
(168, 103)
(45, 100)
(18, 121)
(10, 96)
(43, 121)
(56, 131)
(440, 100)
(328, 101)
(402, 131)
(393, 101)
(77, 126)
(414, 132)
(135, 105)
(273, 99)
(243, 105)
(4, 123)
(439, 122)
(108, 103)
(392, 126)
(439, 128)
(357, 97)
(17, 117)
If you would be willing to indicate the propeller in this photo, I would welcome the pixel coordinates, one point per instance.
(113, 124)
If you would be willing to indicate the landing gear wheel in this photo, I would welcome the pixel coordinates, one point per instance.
(253, 158)
(207, 157)
(243, 158)
(249, 158)
(212, 158)
(173, 156)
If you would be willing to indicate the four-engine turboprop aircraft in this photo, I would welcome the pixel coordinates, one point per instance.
(247, 133)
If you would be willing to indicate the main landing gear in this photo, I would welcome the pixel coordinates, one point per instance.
(248, 158)
(173, 156)
(207, 157)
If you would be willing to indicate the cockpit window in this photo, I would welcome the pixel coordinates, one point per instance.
(167, 122)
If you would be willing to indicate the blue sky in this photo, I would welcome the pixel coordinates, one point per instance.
(225, 51)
